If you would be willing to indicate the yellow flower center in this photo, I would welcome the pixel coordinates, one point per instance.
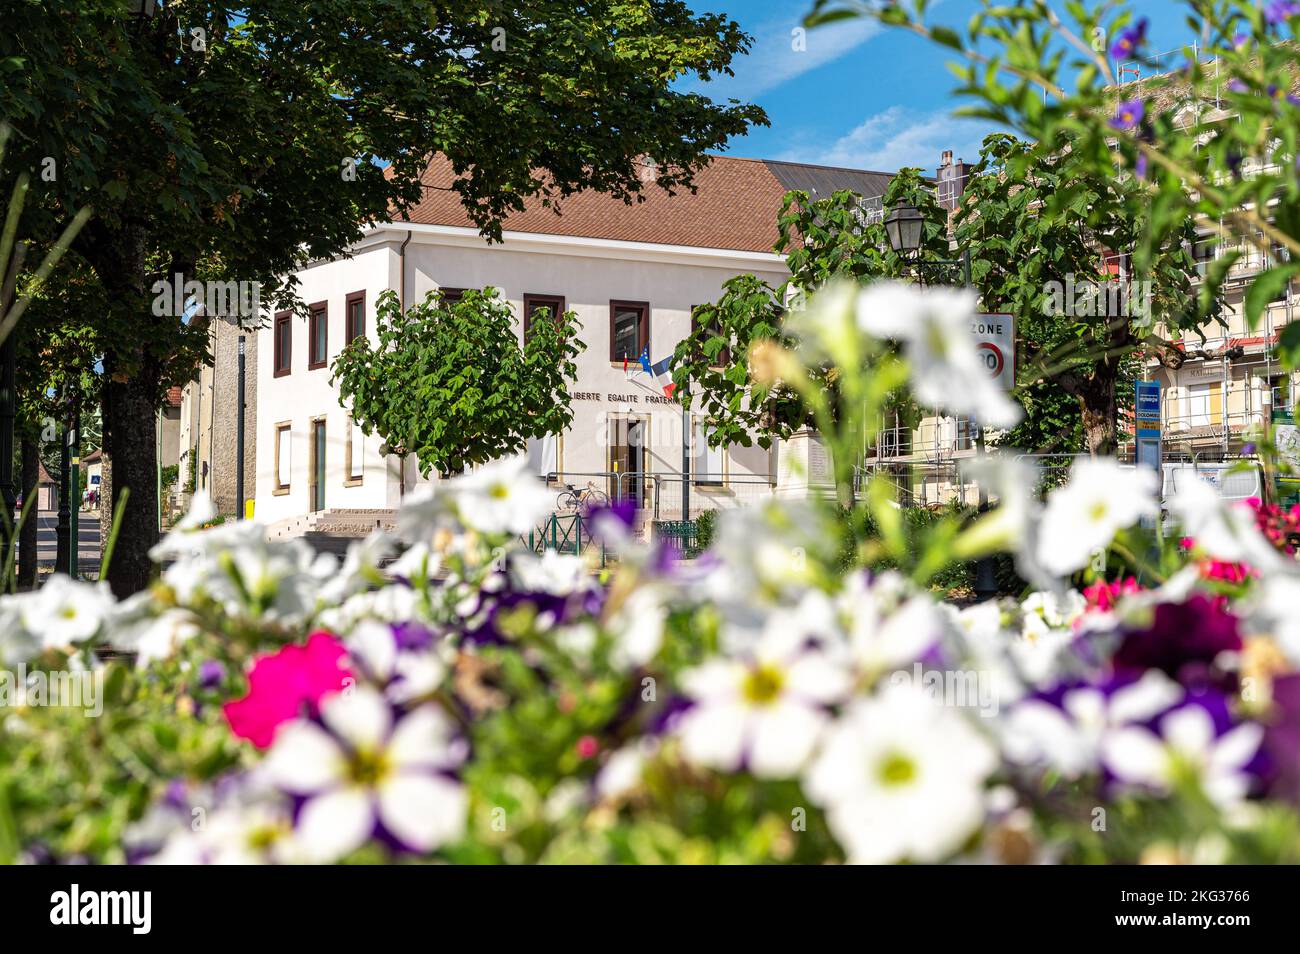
(896, 769)
(368, 768)
(763, 685)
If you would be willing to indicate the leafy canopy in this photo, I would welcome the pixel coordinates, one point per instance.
(450, 382)
(822, 239)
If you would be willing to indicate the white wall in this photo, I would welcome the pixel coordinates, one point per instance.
(586, 273)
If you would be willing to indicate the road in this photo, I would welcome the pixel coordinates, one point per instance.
(47, 522)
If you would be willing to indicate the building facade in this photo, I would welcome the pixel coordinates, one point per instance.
(207, 428)
(631, 273)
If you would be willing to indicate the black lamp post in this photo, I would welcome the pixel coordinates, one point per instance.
(904, 226)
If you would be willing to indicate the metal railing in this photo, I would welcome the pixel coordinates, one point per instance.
(665, 495)
(567, 533)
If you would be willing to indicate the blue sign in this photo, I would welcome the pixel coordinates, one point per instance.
(1148, 401)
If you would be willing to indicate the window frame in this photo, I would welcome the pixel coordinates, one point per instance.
(451, 296)
(532, 300)
(279, 489)
(350, 334)
(282, 358)
(724, 356)
(700, 451)
(643, 330)
(318, 311)
(351, 479)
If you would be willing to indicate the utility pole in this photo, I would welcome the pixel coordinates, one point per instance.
(239, 437)
(8, 408)
(686, 462)
(74, 492)
(61, 527)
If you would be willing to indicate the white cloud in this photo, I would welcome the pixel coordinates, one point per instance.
(780, 55)
(895, 138)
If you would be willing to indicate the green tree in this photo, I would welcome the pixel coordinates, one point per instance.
(1044, 231)
(1211, 142)
(823, 239)
(450, 382)
(248, 138)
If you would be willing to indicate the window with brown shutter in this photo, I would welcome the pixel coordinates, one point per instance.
(283, 345)
(318, 336)
(629, 330)
(552, 304)
(723, 358)
(354, 317)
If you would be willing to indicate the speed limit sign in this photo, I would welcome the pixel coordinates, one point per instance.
(995, 342)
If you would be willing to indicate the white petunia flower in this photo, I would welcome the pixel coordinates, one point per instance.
(1083, 517)
(1186, 748)
(555, 573)
(361, 770)
(765, 710)
(1070, 737)
(901, 778)
(135, 628)
(638, 627)
(64, 612)
(944, 366)
(503, 497)
(16, 643)
(889, 625)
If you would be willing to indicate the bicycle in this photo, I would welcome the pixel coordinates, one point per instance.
(571, 498)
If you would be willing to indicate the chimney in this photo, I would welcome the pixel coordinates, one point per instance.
(950, 180)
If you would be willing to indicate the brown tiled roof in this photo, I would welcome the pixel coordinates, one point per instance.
(735, 206)
(174, 396)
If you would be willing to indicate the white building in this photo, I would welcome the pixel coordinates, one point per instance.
(631, 274)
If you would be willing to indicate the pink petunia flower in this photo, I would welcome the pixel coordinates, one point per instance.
(282, 685)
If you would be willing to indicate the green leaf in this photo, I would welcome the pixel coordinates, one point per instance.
(1265, 288)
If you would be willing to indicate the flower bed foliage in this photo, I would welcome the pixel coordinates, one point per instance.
(474, 702)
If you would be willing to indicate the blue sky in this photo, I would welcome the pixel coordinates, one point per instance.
(864, 96)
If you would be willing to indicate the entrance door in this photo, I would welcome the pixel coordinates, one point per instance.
(318, 465)
(627, 456)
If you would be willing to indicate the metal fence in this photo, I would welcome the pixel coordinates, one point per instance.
(659, 496)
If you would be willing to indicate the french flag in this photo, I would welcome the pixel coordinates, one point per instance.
(660, 371)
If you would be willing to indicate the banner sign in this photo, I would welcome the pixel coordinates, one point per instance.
(1148, 402)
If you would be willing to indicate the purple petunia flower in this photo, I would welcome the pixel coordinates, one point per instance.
(1281, 10)
(1183, 641)
(211, 672)
(1129, 115)
(1282, 738)
(1127, 43)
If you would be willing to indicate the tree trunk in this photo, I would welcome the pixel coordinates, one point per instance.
(27, 536)
(130, 441)
(1098, 405)
(1095, 391)
(132, 385)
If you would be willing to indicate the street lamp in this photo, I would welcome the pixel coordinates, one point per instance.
(143, 9)
(904, 225)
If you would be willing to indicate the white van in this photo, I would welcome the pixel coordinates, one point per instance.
(1230, 479)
